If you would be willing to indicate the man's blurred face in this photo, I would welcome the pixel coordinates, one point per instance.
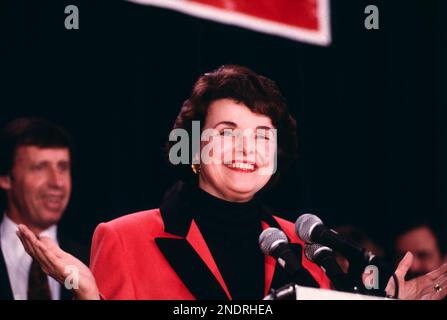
(39, 185)
(423, 244)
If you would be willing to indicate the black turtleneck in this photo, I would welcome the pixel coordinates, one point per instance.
(231, 231)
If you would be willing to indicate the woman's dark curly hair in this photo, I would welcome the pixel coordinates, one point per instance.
(260, 94)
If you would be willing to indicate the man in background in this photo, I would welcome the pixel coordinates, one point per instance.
(35, 177)
(425, 242)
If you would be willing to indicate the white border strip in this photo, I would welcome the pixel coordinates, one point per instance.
(320, 37)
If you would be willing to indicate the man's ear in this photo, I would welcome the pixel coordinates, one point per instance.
(5, 182)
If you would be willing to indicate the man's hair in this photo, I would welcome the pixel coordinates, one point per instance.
(260, 94)
(29, 132)
(416, 222)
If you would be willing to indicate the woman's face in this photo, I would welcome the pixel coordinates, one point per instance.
(238, 151)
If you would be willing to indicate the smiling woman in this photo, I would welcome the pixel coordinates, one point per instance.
(238, 161)
(234, 98)
(202, 243)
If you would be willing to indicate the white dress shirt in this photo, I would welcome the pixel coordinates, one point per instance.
(18, 262)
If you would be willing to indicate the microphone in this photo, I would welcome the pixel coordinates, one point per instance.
(325, 258)
(311, 229)
(273, 242)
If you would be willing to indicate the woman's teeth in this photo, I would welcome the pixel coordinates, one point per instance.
(242, 166)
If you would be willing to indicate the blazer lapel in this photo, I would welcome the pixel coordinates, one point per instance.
(185, 249)
(270, 267)
(193, 263)
(196, 240)
(5, 287)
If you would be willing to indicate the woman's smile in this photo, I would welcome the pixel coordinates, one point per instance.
(242, 166)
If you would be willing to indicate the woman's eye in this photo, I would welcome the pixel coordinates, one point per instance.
(263, 136)
(227, 133)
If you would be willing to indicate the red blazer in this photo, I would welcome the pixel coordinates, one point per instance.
(134, 257)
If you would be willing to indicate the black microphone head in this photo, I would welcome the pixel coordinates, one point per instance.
(270, 238)
(314, 250)
(304, 226)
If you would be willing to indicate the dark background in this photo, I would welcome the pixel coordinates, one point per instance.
(370, 107)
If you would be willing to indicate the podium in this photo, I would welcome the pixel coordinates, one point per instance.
(296, 292)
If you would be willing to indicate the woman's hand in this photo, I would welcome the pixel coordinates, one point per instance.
(431, 286)
(59, 264)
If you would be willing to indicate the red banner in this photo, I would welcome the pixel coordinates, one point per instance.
(301, 20)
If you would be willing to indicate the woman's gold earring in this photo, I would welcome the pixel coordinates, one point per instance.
(195, 168)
